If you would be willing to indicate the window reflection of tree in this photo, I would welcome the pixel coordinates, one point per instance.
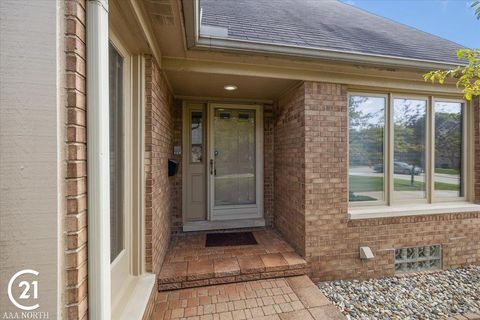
(366, 130)
(409, 134)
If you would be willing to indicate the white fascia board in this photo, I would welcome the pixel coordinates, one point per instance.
(209, 43)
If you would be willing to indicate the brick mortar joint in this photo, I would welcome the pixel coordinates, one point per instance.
(76, 250)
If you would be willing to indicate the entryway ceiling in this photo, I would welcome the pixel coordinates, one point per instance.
(196, 84)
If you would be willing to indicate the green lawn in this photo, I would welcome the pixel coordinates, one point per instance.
(447, 171)
(363, 184)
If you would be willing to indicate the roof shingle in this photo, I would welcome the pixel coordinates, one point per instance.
(324, 24)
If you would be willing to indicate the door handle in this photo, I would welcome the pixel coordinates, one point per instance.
(211, 166)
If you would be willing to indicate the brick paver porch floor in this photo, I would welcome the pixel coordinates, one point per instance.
(189, 263)
(273, 299)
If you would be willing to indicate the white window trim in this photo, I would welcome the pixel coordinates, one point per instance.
(99, 266)
(121, 274)
(99, 285)
(390, 207)
(373, 212)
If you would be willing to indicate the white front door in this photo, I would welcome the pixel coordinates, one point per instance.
(235, 162)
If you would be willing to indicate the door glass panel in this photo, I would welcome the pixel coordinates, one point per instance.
(196, 137)
(116, 152)
(448, 149)
(234, 157)
(409, 117)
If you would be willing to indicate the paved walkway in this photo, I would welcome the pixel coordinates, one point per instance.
(282, 299)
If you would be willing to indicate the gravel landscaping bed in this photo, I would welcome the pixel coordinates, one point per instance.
(422, 296)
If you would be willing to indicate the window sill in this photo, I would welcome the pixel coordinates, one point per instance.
(138, 298)
(373, 212)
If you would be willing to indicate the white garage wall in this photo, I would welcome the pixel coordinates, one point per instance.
(31, 149)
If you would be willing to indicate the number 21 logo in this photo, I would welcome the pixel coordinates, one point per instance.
(27, 286)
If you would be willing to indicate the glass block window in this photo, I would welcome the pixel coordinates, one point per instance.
(416, 259)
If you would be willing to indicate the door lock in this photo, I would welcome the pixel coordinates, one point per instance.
(211, 166)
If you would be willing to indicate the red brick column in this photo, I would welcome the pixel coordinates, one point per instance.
(268, 167)
(326, 166)
(289, 168)
(159, 188)
(76, 162)
(158, 149)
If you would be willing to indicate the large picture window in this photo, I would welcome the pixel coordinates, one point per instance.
(405, 149)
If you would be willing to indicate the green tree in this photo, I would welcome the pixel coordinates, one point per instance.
(476, 7)
(467, 76)
(409, 138)
(448, 136)
(366, 134)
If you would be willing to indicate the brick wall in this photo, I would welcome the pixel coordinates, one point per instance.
(159, 188)
(176, 213)
(331, 240)
(158, 149)
(289, 167)
(268, 165)
(76, 164)
(325, 170)
(158, 146)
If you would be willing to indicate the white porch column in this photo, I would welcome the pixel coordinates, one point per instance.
(99, 296)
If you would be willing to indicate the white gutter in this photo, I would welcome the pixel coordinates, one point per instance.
(198, 41)
(99, 287)
(208, 43)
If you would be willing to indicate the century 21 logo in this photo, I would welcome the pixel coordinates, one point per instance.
(27, 288)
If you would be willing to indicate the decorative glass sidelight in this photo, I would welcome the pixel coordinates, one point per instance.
(196, 136)
(234, 157)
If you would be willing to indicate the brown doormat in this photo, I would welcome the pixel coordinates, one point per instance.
(230, 239)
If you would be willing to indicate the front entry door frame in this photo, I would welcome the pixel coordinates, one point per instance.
(235, 212)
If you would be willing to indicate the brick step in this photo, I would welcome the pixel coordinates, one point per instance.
(210, 271)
